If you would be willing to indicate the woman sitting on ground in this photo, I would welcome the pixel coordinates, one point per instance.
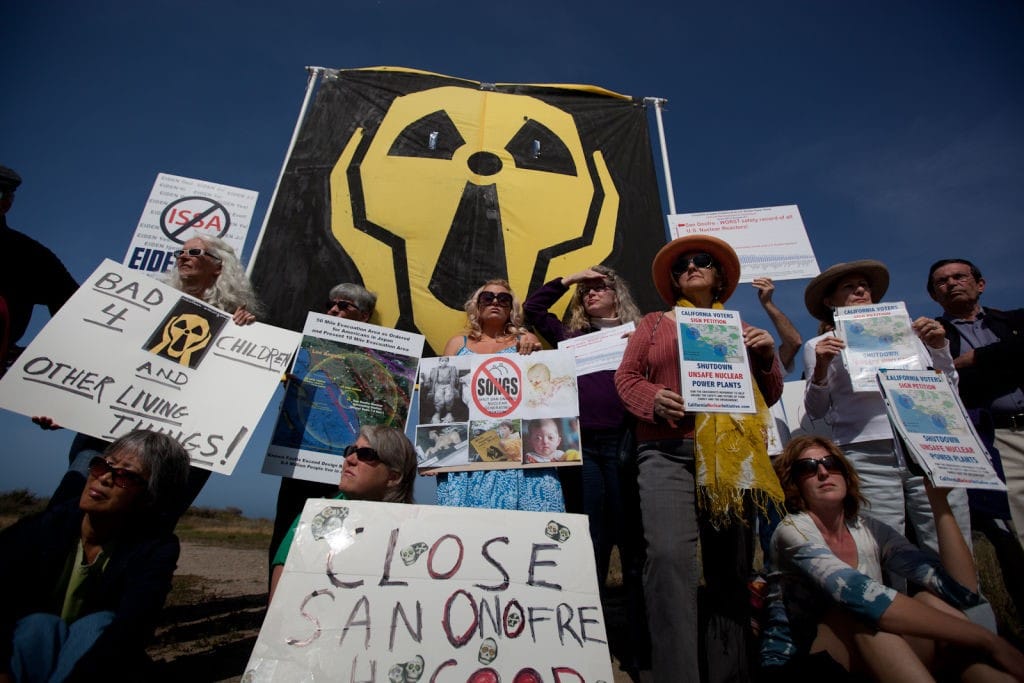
(379, 466)
(85, 580)
(827, 600)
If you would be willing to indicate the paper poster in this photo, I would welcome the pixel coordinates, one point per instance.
(770, 241)
(127, 352)
(179, 209)
(346, 374)
(713, 361)
(877, 336)
(926, 411)
(598, 350)
(498, 411)
(388, 592)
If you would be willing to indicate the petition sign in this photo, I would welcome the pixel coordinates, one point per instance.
(410, 593)
(127, 352)
(770, 241)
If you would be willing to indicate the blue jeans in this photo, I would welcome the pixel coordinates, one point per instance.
(46, 649)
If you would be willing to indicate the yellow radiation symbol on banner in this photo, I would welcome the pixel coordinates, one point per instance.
(183, 335)
(460, 185)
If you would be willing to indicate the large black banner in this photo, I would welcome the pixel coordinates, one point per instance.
(421, 187)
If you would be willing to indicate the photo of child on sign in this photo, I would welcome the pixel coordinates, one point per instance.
(510, 398)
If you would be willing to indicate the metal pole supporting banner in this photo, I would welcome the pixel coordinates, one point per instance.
(658, 103)
(314, 75)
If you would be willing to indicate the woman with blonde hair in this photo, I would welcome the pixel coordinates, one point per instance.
(494, 324)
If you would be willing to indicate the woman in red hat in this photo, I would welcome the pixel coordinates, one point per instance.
(698, 472)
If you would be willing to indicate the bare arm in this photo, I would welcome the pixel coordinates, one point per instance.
(953, 551)
(791, 339)
(275, 577)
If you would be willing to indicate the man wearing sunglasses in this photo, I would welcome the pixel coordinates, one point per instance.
(208, 269)
(30, 274)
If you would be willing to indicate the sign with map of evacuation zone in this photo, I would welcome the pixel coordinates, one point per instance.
(926, 411)
(877, 336)
(498, 411)
(713, 360)
(127, 352)
(179, 209)
(346, 374)
(770, 241)
(420, 594)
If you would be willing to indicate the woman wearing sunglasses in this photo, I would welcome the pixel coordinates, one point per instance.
(85, 580)
(829, 612)
(380, 466)
(700, 474)
(494, 324)
(208, 269)
(858, 419)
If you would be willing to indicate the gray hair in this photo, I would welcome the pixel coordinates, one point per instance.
(364, 299)
(232, 289)
(397, 454)
(165, 460)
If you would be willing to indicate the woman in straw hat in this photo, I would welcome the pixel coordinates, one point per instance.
(858, 418)
(698, 472)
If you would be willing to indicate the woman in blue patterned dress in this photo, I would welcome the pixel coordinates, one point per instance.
(827, 605)
(494, 324)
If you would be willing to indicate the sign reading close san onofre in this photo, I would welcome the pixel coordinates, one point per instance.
(410, 593)
(180, 208)
(770, 241)
(128, 352)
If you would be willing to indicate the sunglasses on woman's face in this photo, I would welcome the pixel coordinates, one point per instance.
(126, 479)
(806, 467)
(700, 260)
(194, 251)
(364, 453)
(503, 299)
(597, 288)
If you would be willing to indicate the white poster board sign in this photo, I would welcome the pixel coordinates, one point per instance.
(181, 208)
(770, 241)
(877, 336)
(713, 361)
(389, 592)
(926, 411)
(127, 352)
(346, 374)
(498, 411)
(599, 350)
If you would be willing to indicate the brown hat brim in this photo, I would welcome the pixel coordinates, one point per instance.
(875, 272)
(725, 255)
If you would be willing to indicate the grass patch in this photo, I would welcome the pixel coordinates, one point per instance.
(225, 528)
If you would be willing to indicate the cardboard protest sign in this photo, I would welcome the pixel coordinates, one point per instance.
(713, 361)
(181, 208)
(388, 592)
(346, 374)
(770, 241)
(127, 352)
(877, 336)
(926, 411)
(498, 411)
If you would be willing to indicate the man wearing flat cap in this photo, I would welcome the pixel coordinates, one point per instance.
(988, 350)
(30, 273)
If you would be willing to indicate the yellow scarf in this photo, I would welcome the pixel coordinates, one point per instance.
(731, 454)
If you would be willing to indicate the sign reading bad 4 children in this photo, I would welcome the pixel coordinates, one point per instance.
(424, 594)
(127, 352)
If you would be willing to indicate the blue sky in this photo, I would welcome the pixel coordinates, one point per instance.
(898, 128)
